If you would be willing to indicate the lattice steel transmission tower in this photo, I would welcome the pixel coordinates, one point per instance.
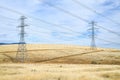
(21, 55)
(93, 44)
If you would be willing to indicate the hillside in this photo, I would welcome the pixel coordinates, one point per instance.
(70, 54)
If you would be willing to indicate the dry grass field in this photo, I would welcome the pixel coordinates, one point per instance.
(59, 72)
(60, 62)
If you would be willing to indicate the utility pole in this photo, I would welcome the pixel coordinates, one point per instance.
(93, 45)
(21, 52)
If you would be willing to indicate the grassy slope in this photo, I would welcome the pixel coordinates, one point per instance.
(61, 54)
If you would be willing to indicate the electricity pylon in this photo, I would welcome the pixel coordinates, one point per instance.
(21, 52)
(93, 44)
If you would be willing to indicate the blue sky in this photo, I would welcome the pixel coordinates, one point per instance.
(39, 32)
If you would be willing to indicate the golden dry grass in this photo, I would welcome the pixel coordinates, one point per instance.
(70, 63)
(45, 53)
(59, 72)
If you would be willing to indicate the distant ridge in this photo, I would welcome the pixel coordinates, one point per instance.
(8, 43)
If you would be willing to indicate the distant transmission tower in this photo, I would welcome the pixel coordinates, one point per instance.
(93, 45)
(21, 53)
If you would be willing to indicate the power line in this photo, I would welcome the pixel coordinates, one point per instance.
(32, 24)
(54, 23)
(90, 9)
(46, 22)
(107, 41)
(38, 33)
(37, 30)
(12, 19)
(68, 29)
(63, 10)
(8, 24)
(108, 30)
(70, 13)
(57, 31)
(11, 10)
